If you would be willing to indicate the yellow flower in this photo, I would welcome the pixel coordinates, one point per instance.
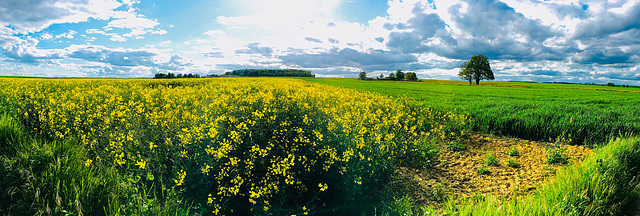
(141, 164)
(181, 175)
(88, 162)
(323, 187)
(209, 199)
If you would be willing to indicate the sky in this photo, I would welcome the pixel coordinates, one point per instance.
(589, 41)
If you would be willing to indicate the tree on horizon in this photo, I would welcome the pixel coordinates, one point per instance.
(477, 68)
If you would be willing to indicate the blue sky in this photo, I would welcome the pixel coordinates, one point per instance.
(556, 40)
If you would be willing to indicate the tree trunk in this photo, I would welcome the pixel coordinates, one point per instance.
(470, 82)
(477, 81)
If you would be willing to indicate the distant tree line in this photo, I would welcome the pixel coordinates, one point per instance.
(623, 85)
(271, 72)
(397, 76)
(172, 75)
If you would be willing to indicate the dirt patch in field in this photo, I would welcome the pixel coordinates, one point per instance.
(455, 174)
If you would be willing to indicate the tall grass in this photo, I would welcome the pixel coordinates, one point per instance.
(50, 178)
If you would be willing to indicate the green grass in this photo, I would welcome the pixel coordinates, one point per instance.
(533, 111)
(49, 177)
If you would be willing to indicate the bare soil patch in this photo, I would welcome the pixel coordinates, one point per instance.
(455, 174)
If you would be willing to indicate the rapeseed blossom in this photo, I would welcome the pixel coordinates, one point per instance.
(256, 139)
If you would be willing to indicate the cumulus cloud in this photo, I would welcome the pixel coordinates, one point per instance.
(115, 57)
(529, 40)
(26, 51)
(29, 16)
(347, 57)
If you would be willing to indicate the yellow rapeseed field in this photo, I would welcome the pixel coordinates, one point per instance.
(254, 145)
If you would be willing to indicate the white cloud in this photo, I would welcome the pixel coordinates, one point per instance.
(26, 51)
(132, 21)
(165, 43)
(29, 16)
(46, 36)
(159, 32)
(67, 35)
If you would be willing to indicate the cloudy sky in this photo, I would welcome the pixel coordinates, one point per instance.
(556, 40)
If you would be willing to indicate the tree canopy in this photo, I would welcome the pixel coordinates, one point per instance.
(477, 68)
(411, 76)
(362, 75)
(399, 75)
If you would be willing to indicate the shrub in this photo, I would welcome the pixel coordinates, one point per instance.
(483, 171)
(513, 151)
(421, 154)
(490, 160)
(512, 163)
(457, 146)
(556, 154)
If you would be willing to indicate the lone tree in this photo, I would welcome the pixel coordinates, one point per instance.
(399, 75)
(477, 68)
(411, 76)
(362, 75)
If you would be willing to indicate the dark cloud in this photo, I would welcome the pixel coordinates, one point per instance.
(114, 57)
(610, 39)
(348, 57)
(623, 76)
(29, 16)
(542, 73)
(229, 67)
(609, 23)
(424, 26)
(496, 31)
(255, 48)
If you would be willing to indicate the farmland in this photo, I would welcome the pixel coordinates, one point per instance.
(245, 146)
(284, 146)
(533, 111)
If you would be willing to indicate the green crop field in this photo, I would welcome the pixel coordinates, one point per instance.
(534, 111)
